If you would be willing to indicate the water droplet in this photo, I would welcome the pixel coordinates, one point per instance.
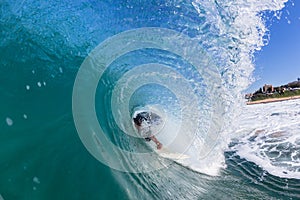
(39, 84)
(9, 121)
(36, 180)
(27, 87)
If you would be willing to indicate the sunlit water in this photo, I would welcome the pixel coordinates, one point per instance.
(236, 152)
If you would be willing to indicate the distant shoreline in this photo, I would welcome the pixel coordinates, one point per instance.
(271, 100)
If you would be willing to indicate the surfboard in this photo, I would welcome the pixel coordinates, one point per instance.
(165, 153)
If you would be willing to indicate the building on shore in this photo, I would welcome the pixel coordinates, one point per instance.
(268, 90)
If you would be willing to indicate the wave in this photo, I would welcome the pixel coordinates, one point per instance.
(189, 61)
(200, 71)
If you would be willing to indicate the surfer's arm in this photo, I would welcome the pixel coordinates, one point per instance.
(158, 144)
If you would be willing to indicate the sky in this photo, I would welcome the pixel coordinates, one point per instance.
(278, 62)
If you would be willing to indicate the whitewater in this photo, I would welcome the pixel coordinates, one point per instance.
(272, 137)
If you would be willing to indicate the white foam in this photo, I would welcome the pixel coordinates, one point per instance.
(271, 137)
(266, 163)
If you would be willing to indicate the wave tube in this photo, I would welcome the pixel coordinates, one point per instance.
(192, 125)
(194, 75)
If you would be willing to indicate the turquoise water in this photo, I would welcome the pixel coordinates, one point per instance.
(192, 64)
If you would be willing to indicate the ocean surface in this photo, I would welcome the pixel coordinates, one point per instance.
(73, 73)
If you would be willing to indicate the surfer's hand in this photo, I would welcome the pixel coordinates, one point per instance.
(159, 145)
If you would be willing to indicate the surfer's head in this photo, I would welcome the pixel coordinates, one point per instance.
(138, 120)
(141, 117)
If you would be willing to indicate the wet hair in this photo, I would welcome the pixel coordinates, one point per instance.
(139, 118)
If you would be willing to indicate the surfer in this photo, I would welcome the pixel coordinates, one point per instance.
(142, 122)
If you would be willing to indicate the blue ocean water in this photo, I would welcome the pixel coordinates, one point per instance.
(187, 60)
